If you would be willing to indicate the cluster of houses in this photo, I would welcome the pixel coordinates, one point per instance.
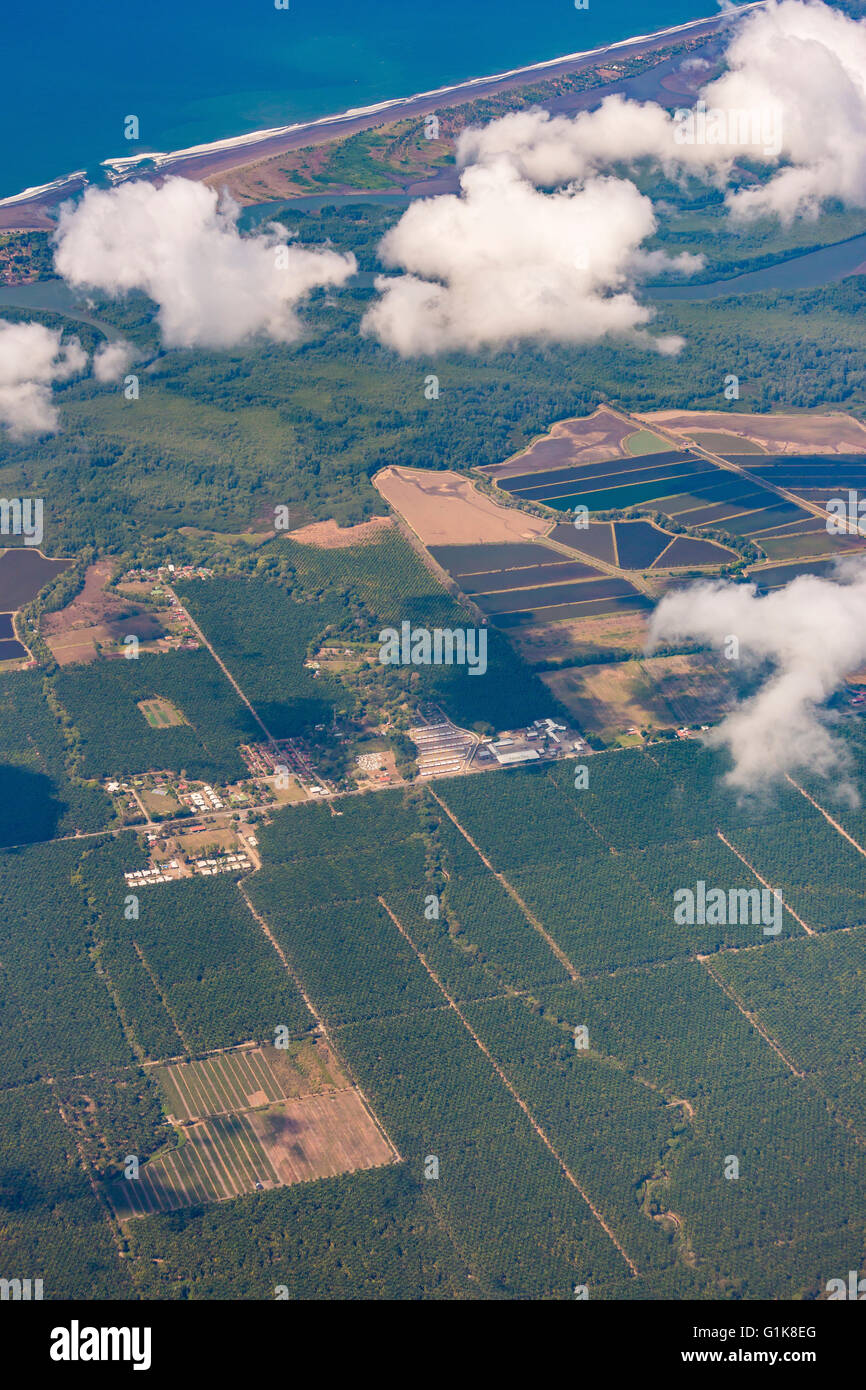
(204, 800)
(222, 865)
(140, 878)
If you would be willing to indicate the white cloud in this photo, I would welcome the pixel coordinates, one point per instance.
(503, 261)
(793, 98)
(812, 632)
(111, 359)
(551, 150)
(31, 358)
(810, 61)
(180, 244)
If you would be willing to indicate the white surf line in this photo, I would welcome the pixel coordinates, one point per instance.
(124, 164)
(512, 1090)
(810, 931)
(163, 160)
(39, 190)
(835, 824)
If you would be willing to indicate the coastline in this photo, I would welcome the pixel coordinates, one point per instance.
(31, 209)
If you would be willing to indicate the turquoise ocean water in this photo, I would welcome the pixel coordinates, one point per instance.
(200, 70)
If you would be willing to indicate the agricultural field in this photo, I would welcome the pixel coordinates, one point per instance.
(594, 439)
(370, 1234)
(174, 967)
(54, 1226)
(252, 1119)
(685, 487)
(447, 509)
(41, 796)
(692, 490)
(769, 577)
(264, 627)
(96, 617)
(161, 714)
(248, 1078)
(644, 442)
(656, 692)
(815, 477)
(438, 1030)
(204, 746)
(543, 892)
(818, 431)
(609, 637)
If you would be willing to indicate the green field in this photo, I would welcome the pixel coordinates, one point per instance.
(600, 1164)
(645, 442)
(41, 795)
(298, 596)
(203, 743)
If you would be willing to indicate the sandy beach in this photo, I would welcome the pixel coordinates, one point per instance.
(32, 210)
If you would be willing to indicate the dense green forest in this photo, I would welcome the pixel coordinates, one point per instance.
(493, 970)
(573, 930)
(40, 798)
(298, 596)
(205, 746)
(216, 440)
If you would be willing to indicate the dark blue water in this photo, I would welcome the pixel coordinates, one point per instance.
(200, 70)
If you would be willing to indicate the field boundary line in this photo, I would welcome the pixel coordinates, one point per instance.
(100, 1197)
(751, 1018)
(221, 664)
(512, 1090)
(811, 1078)
(810, 931)
(162, 999)
(826, 814)
(322, 1026)
(513, 894)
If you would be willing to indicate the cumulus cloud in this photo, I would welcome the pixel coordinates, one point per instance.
(31, 358)
(809, 61)
(180, 244)
(810, 634)
(793, 98)
(111, 360)
(543, 242)
(551, 150)
(503, 261)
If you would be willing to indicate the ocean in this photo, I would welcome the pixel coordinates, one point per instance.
(196, 72)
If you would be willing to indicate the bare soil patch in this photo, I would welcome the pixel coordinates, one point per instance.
(579, 637)
(327, 535)
(447, 509)
(320, 1136)
(96, 617)
(787, 434)
(659, 692)
(591, 439)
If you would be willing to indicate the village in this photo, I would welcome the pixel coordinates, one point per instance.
(194, 828)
